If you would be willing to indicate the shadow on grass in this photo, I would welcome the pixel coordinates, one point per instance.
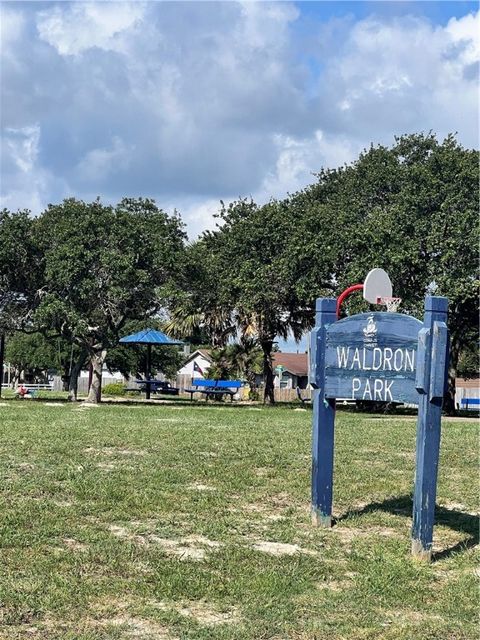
(403, 505)
(160, 401)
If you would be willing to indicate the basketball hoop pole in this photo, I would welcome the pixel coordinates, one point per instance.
(345, 294)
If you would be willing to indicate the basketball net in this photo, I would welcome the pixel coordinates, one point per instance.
(392, 304)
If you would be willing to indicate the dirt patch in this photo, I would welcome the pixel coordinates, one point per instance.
(458, 506)
(408, 455)
(127, 452)
(333, 585)
(54, 404)
(281, 548)
(272, 509)
(25, 466)
(208, 616)
(62, 503)
(138, 628)
(115, 451)
(107, 466)
(74, 545)
(201, 612)
(195, 539)
(174, 548)
(197, 486)
(193, 547)
(407, 616)
(348, 534)
(122, 532)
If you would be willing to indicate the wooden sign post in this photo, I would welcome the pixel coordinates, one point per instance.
(383, 357)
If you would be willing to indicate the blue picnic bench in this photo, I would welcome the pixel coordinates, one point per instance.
(214, 388)
(470, 403)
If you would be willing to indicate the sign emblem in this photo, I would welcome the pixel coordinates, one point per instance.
(370, 331)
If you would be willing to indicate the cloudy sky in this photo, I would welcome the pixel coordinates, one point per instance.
(192, 102)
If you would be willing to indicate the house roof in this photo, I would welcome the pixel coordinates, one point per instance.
(472, 383)
(205, 353)
(296, 363)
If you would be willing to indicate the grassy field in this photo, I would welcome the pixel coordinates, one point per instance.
(169, 522)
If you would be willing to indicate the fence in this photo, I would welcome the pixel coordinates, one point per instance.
(467, 389)
(57, 384)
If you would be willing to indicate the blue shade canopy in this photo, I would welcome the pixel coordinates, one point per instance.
(150, 336)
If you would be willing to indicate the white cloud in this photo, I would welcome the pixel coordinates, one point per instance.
(22, 146)
(199, 215)
(98, 164)
(264, 25)
(25, 184)
(83, 25)
(299, 158)
(12, 25)
(465, 31)
(405, 75)
(196, 102)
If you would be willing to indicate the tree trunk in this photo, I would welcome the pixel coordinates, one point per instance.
(269, 392)
(15, 378)
(2, 354)
(449, 400)
(97, 358)
(73, 378)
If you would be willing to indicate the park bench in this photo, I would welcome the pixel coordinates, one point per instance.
(214, 388)
(470, 403)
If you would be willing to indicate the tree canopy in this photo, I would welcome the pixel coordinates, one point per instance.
(102, 266)
(411, 209)
(84, 271)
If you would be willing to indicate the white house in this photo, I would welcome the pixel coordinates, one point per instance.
(196, 364)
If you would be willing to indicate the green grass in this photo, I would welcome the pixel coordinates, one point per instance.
(138, 521)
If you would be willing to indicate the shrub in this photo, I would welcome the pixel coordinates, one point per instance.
(114, 389)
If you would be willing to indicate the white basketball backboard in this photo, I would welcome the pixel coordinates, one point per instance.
(377, 285)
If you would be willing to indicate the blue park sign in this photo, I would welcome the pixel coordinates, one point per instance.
(372, 356)
(383, 357)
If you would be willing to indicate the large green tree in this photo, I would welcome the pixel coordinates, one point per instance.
(20, 271)
(19, 274)
(35, 354)
(411, 209)
(102, 266)
(243, 281)
(256, 282)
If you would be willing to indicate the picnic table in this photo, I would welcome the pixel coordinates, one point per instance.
(157, 386)
(214, 388)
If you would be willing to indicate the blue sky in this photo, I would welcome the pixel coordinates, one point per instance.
(193, 102)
